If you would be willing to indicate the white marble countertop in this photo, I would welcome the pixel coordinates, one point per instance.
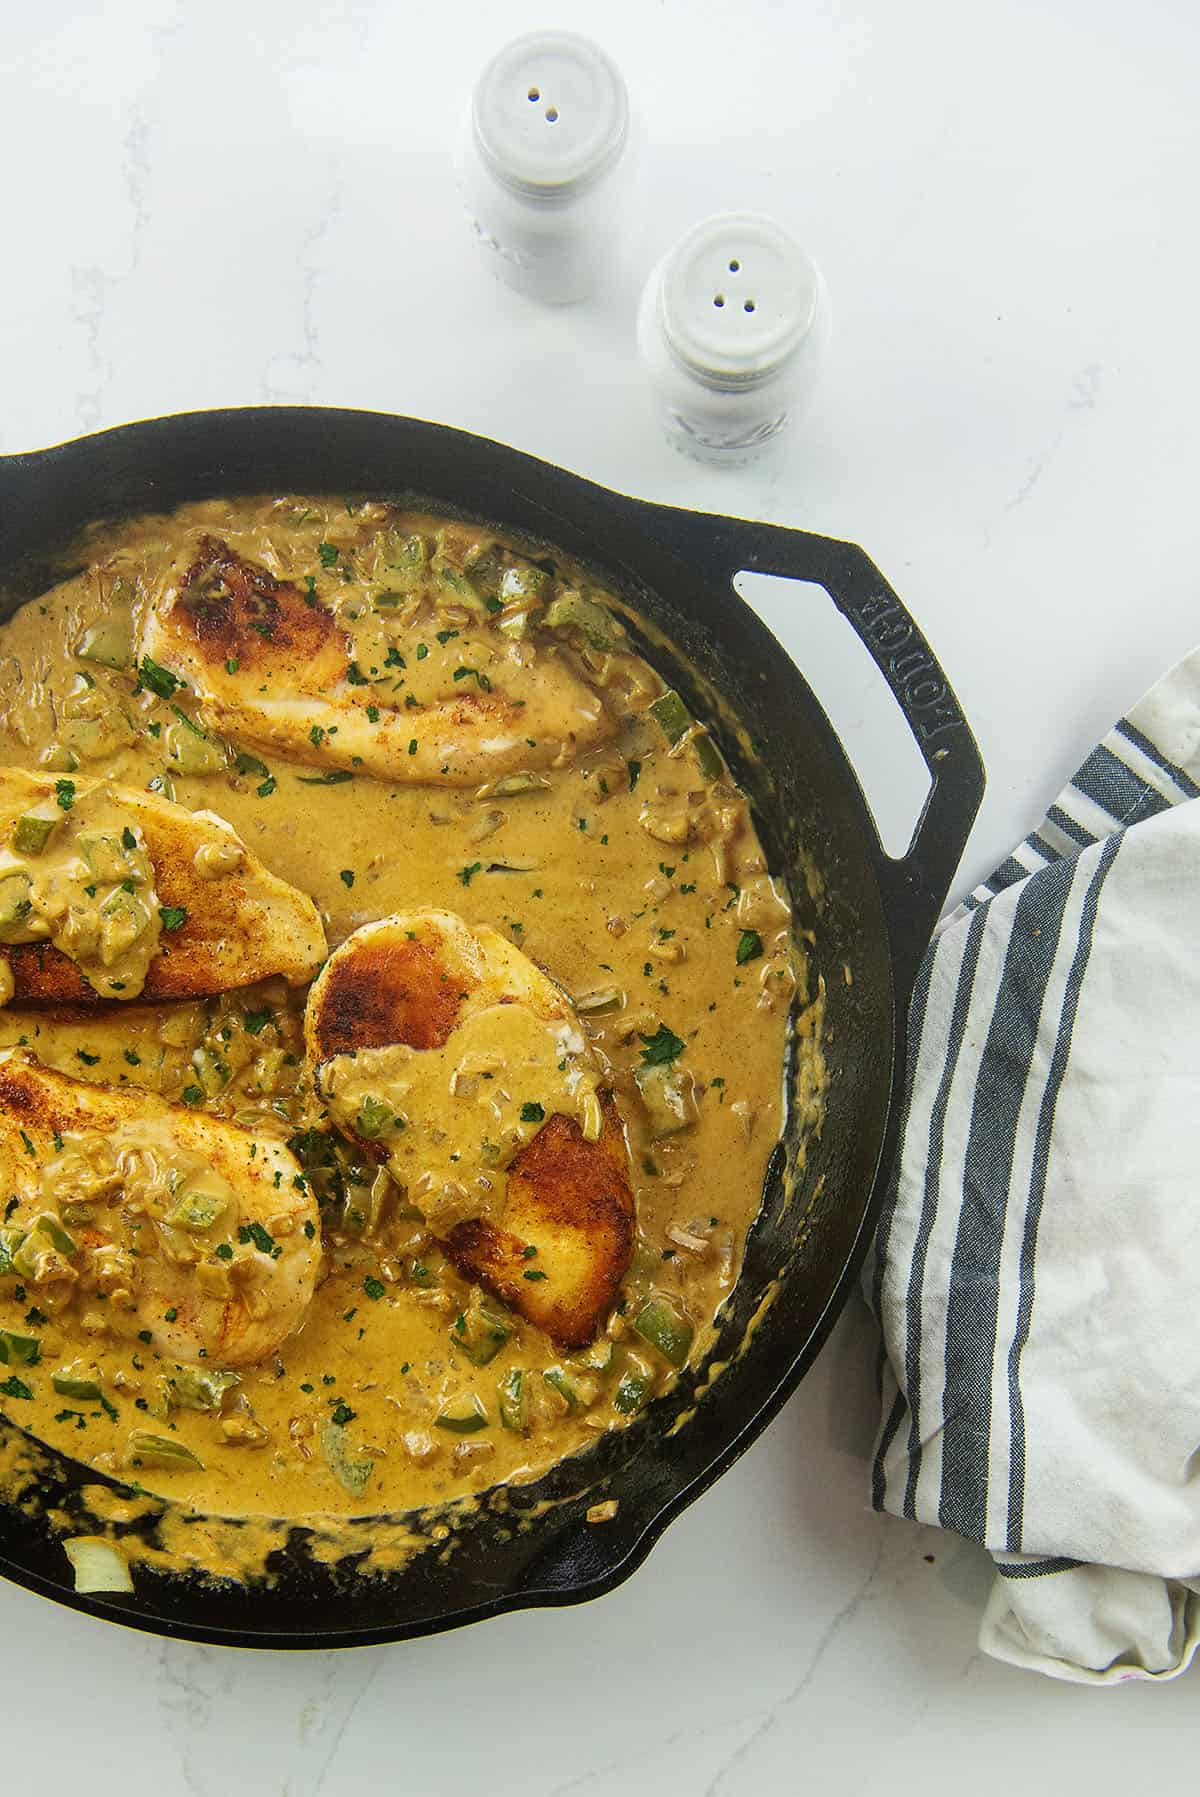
(251, 202)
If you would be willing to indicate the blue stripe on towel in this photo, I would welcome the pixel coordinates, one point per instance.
(890, 1430)
(1008, 873)
(973, 1300)
(1038, 1569)
(1075, 831)
(1112, 784)
(937, 1129)
(1037, 1193)
(1183, 781)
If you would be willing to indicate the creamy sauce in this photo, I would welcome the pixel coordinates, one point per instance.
(637, 884)
(452, 1118)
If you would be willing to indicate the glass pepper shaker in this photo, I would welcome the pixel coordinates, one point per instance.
(542, 163)
(732, 329)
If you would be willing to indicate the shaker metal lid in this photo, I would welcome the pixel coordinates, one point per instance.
(550, 114)
(737, 297)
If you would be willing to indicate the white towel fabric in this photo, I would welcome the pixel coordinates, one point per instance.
(1037, 1268)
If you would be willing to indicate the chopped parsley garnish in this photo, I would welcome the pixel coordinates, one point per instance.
(253, 1022)
(145, 1335)
(192, 1095)
(443, 636)
(342, 1414)
(374, 1288)
(533, 1273)
(250, 764)
(128, 839)
(132, 1057)
(485, 685)
(528, 1253)
(749, 947)
(328, 554)
(225, 1251)
(232, 665)
(662, 1047)
(263, 1241)
(64, 792)
(170, 1315)
(267, 787)
(412, 746)
(316, 736)
(532, 1113)
(158, 679)
(635, 768)
(15, 1388)
(372, 714)
(422, 651)
(310, 1229)
(337, 776)
(347, 876)
(89, 1060)
(394, 659)
(173, 916)
(467, 874)
(355, 675)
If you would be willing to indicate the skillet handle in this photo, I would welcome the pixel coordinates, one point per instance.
(916, 883)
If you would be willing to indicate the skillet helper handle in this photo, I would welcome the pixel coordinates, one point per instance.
(916, 883)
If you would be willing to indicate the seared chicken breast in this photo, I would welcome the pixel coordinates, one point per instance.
(449, 1056)
(370, 686)
(181, 1229)
(107, 892)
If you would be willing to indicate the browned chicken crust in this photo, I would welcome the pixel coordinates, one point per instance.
(230, 607)
(569, 1199)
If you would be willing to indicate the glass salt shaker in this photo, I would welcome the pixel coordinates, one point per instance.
(732, 328)
(542, 164)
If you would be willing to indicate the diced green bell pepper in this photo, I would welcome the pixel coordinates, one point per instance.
(574, 611)
(31, 833)
(19, 1350)
(666, 1329)
(462, 1416)
(631, 1393)
(75, 1381)
(675, 720)
(109, 643)
(480, 1332)
(199, 1388)
(513, 1402)
(197, 1210)
(160, 1450)
(14, 898)
(351, 1474)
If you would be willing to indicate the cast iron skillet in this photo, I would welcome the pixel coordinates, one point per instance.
(876, 916)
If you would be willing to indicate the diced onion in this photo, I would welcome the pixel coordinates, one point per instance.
(98, 1565)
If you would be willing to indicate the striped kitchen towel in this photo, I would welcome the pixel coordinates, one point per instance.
(1037, 1267)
